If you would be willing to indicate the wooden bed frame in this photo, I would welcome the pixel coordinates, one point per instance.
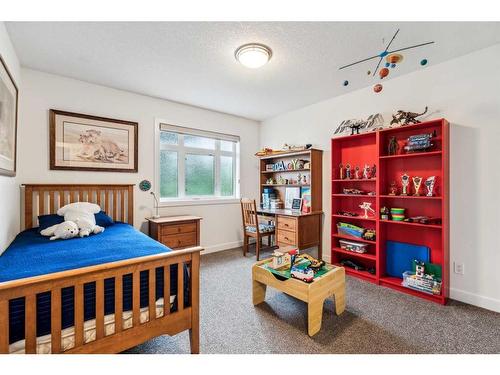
(117, 201)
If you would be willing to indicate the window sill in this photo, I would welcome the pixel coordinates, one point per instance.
(199, 202)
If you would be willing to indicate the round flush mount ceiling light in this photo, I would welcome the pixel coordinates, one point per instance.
(253, 55)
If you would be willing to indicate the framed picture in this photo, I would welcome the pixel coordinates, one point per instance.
(90, 143)
(291, 193)
(8, 121)
(297, 204)
(306, 199)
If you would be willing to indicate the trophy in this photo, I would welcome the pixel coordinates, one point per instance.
(348, 171)
(429, 184)
(405, 181)
(341, 168)
(356, 173)
(417, 181)
(393, 188)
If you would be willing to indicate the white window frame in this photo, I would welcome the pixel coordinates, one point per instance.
(183, 200)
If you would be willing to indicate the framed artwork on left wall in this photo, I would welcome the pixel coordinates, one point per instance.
(91, 143)
(8, 121)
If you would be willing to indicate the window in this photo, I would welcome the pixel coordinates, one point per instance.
(196, 165)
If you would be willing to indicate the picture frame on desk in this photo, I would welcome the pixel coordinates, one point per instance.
(297, 204)
(291, 193)
(306, 199)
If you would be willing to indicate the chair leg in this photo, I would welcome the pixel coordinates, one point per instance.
(257, 247)
(245, 245)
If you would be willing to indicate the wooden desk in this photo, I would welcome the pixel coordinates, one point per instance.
(294, 228)
(176, 232)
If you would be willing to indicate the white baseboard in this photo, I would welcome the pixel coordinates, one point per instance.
(221, 247)
(475, 299)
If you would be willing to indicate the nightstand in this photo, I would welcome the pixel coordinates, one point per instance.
(176, 232)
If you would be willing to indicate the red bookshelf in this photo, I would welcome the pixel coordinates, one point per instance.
(372, 148)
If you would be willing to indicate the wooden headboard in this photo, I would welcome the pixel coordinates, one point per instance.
(116, 200)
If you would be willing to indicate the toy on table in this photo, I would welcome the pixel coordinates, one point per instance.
(405, 181)
(315, 264)
(367, 206)
(303, 274)
(417, 181)
(281, 258)
(429, 184)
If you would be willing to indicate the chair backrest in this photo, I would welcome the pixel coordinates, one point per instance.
(249, 212)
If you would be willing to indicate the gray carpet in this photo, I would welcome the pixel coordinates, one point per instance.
(376, 320)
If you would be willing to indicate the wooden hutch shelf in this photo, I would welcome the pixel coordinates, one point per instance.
(372, 148)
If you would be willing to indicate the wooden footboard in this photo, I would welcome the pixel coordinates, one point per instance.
(169, 322)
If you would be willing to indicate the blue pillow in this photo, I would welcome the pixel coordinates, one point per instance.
(45, 221)
(103, 220)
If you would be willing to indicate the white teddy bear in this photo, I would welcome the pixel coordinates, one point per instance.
(82, 213)
(63, 231)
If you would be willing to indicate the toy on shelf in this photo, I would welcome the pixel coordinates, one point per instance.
(355, 127)
(369, 235)
(419, 142)
(349, 191)
(348, 171)
(393, 146)
(347, 213)
(352, 264)
(357, 176)
(384, 213)
(397, 214)
(429, 184)
(417, 181)
(424, 220)
(367, 206)
(405, 181)
(426, 277)
(393, 189)
(355, 247)
(406, 118)
(341, 171)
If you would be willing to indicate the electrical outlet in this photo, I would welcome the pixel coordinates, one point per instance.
(458, 268)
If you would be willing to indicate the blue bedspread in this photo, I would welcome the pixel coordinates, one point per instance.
(31, 254)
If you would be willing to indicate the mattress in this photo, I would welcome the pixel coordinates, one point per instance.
(30, 255)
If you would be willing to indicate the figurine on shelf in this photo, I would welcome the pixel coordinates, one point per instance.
(419, 268)
(429, 184)
(304, 179)
(348, 171)
(374, 171)
(355, 127)
(393, 189)
(417, 181)
(393, 146)
(406, 118)
(367, 206)
(357, 176)
(341, 171)
(270, 181)
(299, 178)
(384, 213)
(405, 181)
(366, 172)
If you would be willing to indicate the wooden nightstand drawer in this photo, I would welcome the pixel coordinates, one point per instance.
(176, 232)
(179, 240)
(178, 228)
(286, 237)
(287, 223)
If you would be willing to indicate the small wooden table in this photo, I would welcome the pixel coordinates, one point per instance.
(314, 294)
(176, 232)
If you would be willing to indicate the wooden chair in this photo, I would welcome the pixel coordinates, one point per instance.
(252, 227)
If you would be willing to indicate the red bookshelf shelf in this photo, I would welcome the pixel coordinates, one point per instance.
(412, 155)
(371, 148)
(336, 235)
(356, 255)
(411, 224)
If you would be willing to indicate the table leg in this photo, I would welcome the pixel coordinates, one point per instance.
(314, 316)
(339, 295)
(258, 292)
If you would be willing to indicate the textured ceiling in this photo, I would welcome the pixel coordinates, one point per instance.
(193, 62)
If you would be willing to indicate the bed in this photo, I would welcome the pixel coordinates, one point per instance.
(101, 294)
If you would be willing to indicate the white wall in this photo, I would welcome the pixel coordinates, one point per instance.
(9, 188)
(466, 92)
(221, 224)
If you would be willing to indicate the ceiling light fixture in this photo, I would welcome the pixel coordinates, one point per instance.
(253, 55)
